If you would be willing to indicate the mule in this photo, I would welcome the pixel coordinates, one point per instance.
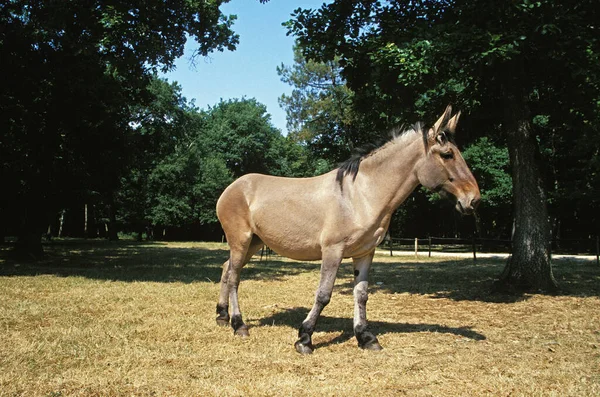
(342, 214)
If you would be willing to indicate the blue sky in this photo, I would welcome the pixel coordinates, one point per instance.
(250, 70)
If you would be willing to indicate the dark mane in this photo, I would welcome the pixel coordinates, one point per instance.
(352, 165)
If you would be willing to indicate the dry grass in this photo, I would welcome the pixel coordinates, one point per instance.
(112, 319)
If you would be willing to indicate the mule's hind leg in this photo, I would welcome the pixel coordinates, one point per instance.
(223, 303)
(230, 280)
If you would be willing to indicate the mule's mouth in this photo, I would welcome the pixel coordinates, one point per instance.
(459, 205)
(464, 210)
(469, 209)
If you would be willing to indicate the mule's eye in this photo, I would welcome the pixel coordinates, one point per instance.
(447, 155)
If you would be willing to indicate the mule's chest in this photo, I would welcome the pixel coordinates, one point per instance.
(366, 243)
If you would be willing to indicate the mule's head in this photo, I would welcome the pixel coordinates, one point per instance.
(443, 168)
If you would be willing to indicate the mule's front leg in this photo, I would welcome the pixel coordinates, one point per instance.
(329, 269)
(366, 339)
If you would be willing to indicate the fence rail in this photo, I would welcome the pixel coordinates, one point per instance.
(589, 246)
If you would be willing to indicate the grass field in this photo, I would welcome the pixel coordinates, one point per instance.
(137, 319)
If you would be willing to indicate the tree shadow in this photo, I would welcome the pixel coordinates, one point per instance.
(141, 261)
(452, 279)
(293, 317)
(162, 262)
(464, 279)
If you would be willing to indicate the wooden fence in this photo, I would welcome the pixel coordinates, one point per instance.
(590, 246)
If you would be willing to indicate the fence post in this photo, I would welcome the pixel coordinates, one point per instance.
(429, 238)
(474, 250)
(416, 247)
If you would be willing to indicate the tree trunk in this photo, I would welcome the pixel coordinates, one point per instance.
(29, 238)
(529, 268)
(61, 223)
(112, 225)
(85, 221)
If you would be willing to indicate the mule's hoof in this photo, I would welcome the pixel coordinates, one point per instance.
(368, 341)
(304, 349)
(222, 322)
(242, 331)
(372, 345)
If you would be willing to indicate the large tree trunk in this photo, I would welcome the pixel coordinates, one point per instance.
(529, 268)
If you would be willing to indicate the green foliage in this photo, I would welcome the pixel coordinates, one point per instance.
(490, 165)
(185, 188)
(241, 130)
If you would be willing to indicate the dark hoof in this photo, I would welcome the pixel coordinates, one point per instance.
(304, 344)
(373, 346)
(368, 341)
(304, 349)
(223, 322)
(242, 331)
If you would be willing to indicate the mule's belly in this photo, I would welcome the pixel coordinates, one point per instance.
(292, 226)
(292, 241)
(304, 254)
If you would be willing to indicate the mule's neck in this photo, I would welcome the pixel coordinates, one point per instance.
(388, 176)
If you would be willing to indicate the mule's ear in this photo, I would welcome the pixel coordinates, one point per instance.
(442, 120)
(451, 126)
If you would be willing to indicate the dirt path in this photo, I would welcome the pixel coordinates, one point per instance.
(493, 255)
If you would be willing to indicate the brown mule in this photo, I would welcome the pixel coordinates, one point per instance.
(342, 214)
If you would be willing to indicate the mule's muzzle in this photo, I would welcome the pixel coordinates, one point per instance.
(468, 205)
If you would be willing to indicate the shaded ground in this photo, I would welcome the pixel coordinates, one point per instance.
(139, 261)
(458, 278)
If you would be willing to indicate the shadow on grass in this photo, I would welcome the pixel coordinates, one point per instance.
(162, 262)
(464, 279)
(141, 261)
(293, 317)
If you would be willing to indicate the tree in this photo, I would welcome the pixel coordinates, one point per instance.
(167, 124)
(71, 70)
(499, 61)
(319, 109)
(241, 130)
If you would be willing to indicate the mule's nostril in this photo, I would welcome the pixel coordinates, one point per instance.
(475, 202)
